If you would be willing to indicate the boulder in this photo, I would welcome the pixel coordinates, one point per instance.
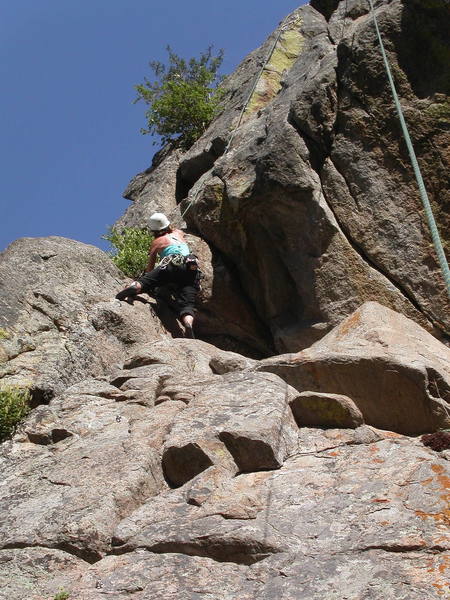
(313, 409)
(239, 419)
(396, 373)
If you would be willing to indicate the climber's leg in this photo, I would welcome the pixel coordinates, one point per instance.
(130, 292)
(186, 303)
(144, 284)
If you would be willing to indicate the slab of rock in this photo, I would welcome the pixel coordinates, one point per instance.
(187, 356)
(37, 573)
(314, 409)
(93, 461)
(242, 414)
(61, 322)
(143, 575)
(397, 374)
(346, 498)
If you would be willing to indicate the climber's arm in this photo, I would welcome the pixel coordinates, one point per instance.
(152, 254)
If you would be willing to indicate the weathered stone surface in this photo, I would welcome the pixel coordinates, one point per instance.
(37, 573)
(52, 306)
(244, 415)
(314, 409)
(346, 498)
(375, 574)
(396, 373)
(142, 575)
(314, 205)
(225, 316)
(194, 357)
(92, 462)
(325, 502)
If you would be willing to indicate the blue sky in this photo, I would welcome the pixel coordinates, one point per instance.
(70, 134)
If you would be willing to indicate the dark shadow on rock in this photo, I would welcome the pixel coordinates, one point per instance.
(191, 169)
(162, 309)
(423, 47)
(250, 455)
(182, 464)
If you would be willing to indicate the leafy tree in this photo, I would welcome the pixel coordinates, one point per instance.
(129, 249)
(185, 97)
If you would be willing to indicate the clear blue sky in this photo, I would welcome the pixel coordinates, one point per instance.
(70, 139)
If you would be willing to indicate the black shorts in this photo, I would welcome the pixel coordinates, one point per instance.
(185, 282)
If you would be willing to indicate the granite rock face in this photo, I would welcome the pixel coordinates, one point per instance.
(58, 315)
(396, 373)
(154, 467)
(187, 471)
(305, 185)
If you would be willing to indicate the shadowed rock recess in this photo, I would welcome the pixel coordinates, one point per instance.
(279, 456)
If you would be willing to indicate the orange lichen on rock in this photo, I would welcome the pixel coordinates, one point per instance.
(443, 482)
(349, 324)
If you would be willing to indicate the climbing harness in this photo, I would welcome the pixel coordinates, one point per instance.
(423, 193)
(178, 260)
(172, 259)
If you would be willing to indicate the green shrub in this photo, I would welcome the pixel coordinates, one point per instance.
(14, 406)
(184, 99)
(4, 335)
(130, 249)
(62, 595)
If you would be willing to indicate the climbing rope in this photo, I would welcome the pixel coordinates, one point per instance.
(423, 193)
(283, 28)
(258, 77)
(294, 21)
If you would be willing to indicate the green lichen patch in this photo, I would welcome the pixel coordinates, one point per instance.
(4, 335)
(440, 111)
(284, 55)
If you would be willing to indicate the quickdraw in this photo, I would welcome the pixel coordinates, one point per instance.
(178, 260)
(173, 259)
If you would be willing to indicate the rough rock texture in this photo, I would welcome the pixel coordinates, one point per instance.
(396, 373)
(60, 321)
(162, 468)
(225, 316)
(314, 204)
(315, 409)
(37, 573)
(185, 472)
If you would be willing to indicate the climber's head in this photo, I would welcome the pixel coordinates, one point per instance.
(158, 223)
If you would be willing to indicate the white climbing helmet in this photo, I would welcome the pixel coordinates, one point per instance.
(158, 221)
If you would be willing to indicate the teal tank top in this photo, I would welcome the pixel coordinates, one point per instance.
(177, 247)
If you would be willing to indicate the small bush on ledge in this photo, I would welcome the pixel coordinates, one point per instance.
(14, 407)
(130, 248)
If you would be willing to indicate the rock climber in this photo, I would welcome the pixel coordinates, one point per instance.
(177, 267)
